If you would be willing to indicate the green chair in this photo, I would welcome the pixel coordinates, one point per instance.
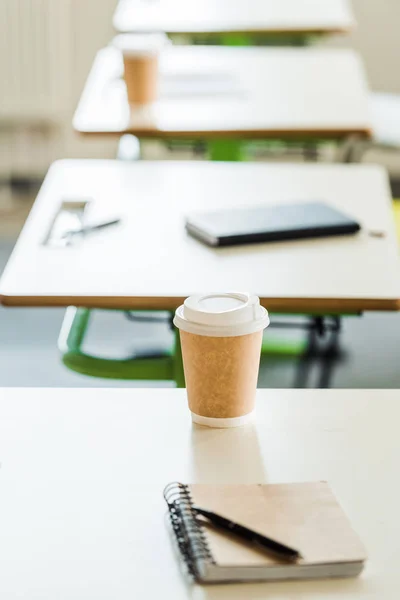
(163, 366)
(167, 365)
(396, 211)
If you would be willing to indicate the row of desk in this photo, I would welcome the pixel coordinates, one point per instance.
(148, 261)
(214, 92)
(217, 93)
(81, 509)
(302, 17)
(225, 94)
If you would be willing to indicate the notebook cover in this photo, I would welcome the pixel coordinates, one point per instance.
(305, 516)
(268, 223)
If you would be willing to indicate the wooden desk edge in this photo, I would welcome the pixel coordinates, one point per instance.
(279, 305)
(296, 135)
(295, 31)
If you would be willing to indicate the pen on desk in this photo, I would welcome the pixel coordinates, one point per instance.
(90, 228)
(252, 537)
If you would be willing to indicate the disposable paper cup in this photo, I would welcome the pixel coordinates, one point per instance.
(141, 64)
(221, 336)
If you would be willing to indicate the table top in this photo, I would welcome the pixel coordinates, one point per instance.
(215, 91)
(82, 472)
(219, 16)
(149, 261)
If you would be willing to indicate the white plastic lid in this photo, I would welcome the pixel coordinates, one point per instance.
(146, 44)
(221, 315)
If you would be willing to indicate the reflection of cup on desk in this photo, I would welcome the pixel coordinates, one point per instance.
(141, 64)
(221, 337)
(235, 455)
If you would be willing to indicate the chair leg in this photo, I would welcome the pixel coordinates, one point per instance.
(325, 358)
(352, 149)
(310, 152)
(226, 150)
(157, 368)
(73, 329)
(179, 374)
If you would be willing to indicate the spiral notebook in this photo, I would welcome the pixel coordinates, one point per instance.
(305, 516)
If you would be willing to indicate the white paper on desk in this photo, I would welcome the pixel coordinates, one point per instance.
(198, 84)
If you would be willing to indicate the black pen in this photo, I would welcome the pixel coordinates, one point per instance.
(90, 228)
(256, 539)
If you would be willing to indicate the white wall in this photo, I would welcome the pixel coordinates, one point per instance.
(377, 38)
(38, 104)
(92, 30)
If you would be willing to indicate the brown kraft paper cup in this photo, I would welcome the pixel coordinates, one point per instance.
(141, 78)
(221, 373)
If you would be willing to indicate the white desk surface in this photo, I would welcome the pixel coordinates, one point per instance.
(215, 91)
(82, 471)
(149, 261)
(220, 16)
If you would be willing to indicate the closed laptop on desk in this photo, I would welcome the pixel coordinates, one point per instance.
(269, 223)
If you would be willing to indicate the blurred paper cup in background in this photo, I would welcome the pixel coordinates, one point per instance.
(141, 64)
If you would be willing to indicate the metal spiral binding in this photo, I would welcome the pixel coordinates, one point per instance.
(187, 528)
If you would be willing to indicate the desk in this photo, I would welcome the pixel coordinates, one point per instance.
(149, 262)
(81, 508)
(219, 92)
(218, 16)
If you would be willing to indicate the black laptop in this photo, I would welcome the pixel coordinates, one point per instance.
(269, 223)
